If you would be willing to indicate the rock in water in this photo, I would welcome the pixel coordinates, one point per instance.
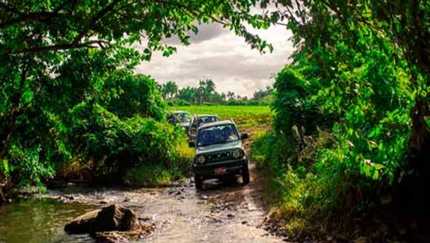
(82, 224)
(110, 218)
(116, 218)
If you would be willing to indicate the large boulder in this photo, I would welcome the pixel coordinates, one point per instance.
(110, 218)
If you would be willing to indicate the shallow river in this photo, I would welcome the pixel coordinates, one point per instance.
(39, 220)
(221, 212)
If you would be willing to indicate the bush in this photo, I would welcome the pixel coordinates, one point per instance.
(335, 143)
(269, 151)
(127, 95)
(210, 104)
(181, 102)
(170, 103)
(87, 111)
(115, 146)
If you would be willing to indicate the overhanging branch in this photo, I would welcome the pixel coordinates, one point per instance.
(89, 44)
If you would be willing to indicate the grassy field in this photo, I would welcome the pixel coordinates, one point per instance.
(246, 117)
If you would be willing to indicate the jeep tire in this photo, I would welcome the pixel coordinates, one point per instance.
(245, 174)
(198, 182)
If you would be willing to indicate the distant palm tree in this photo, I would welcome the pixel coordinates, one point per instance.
(201, 91)
(170, 89)
(223, 96)
(230, 95)
(209, 87)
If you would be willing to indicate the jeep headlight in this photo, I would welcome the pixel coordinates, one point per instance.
(201, 159)
(236, 153)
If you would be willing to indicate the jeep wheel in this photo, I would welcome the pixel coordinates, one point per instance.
(198, 182)
(245, 174)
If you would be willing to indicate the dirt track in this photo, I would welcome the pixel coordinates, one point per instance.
(221, 212)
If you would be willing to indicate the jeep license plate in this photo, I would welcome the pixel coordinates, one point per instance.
(220, 171)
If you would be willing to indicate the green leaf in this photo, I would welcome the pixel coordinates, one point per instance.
(378, 166)
(375, 175)
(5, 166)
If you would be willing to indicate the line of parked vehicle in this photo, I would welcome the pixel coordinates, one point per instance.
(218, 145)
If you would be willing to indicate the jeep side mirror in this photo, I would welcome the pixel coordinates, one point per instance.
(244, 136)
(191, 144)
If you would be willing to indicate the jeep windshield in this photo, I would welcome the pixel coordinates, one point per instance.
(217, 134)
(183, 116)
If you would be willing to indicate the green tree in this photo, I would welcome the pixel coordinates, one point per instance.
(170, 89)
(126, 95)
(209, 87)
(345, 125)
(261, 93)
(230, 95)
(64, 56)
(188, 94)
(399, 25)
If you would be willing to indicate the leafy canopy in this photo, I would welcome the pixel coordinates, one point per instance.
(39, 26)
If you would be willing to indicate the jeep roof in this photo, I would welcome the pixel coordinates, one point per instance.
(204, 115)
(223, 122)
(179, 112)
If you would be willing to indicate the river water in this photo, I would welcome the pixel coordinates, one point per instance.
(39, 221)
(220, 213)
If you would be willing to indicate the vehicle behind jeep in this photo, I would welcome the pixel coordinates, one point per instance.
(219, 153)
(199, 120)
(180, 118)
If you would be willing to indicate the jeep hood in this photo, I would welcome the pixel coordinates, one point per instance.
(219, 147)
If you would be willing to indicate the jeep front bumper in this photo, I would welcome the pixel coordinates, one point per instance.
(229, 166)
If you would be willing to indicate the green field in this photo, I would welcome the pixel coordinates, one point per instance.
(244, 116)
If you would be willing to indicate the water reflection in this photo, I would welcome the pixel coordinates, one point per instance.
(39, 220)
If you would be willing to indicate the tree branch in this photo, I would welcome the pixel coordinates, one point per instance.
(88, 44)
(191, 12)
(94, 21)
(37, 16)
(16, 99)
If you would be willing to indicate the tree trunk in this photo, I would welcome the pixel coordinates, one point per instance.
(420, 132)
(2, 196)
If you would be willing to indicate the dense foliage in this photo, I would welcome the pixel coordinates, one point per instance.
(68, 92)
(351, 108)
(89, 110)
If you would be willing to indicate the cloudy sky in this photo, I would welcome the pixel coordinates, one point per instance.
(220, 55)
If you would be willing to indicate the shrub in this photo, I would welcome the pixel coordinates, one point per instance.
(181, 102)
(338, 138)
(115, 146)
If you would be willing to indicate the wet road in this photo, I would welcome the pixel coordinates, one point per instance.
(221, 212)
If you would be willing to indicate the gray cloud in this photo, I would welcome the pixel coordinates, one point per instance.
(235, 65)
(205, 32)
(225, 58)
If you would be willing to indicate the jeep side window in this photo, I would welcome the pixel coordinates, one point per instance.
(186, 117)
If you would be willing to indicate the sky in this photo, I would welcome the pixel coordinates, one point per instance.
(218, 54)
